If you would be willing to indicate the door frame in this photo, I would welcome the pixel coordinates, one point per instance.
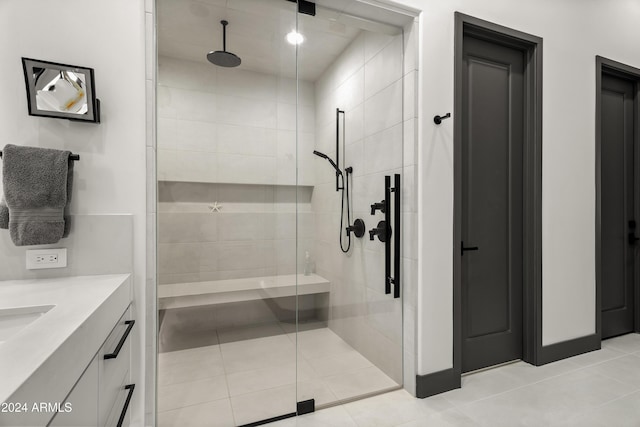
(604, 65)
(532, 178)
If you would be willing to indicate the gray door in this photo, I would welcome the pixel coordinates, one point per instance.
(492, 214)
(618, 221)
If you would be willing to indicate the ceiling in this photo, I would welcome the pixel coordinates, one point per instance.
(189, 29)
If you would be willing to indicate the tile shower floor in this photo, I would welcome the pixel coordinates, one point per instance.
(601, 388)
(249, 374)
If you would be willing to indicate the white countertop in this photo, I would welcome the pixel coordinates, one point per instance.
(52, 351)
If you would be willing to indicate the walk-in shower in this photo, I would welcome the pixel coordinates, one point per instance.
(260, 165)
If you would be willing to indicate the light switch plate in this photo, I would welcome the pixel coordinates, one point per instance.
(46, 258)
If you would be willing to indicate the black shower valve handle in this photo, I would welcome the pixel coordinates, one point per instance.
(358, 228)
(378, 207)
(382, 231)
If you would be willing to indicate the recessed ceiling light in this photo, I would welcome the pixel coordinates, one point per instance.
(295, 37)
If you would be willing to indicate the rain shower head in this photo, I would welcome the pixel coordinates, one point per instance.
(222, 57)
(324, 156)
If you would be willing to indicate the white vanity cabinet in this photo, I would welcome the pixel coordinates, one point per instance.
(58, 369)
(102, 395)
(80, 408)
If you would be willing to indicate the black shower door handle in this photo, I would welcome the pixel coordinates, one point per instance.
(395, 279)
(387, 243)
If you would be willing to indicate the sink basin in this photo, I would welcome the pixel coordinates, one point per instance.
(13, 320)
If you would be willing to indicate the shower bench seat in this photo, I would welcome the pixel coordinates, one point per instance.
(178, 295)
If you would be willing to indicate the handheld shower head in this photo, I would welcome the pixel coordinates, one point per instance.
(319, 154)
(324, 156)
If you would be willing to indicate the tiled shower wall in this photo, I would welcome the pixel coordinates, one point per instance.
(253, 234)
(232, 126)
(366, 81)
(226, 138)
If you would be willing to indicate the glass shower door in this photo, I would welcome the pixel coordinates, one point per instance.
(350, 145)
(227, 208)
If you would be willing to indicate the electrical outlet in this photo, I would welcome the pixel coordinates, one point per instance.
(46, 258)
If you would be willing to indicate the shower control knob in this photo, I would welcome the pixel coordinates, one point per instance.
(382, 231)
(377, 207)
(358, 228)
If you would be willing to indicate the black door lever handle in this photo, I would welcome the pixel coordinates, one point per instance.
(468, 248)
(632, 239)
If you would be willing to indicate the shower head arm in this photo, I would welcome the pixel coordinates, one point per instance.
(224, 35)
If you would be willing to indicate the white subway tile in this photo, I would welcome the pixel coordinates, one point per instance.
(164, 103)
(237, 139)
(247, 84)
(208, 257)
(183, 74)
(383, 68)
(246, 112)
(383, 150)
(192, 166)
(350, 94)
(182, 227)
(286, 159)
(354, 157)
(187, 135)
(176, 258)
(233, 168)
(384, 109)
(244, 226)
(354, 124)
(374, 43)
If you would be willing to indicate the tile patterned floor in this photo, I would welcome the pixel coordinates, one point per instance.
(249, 374)
(597, 389)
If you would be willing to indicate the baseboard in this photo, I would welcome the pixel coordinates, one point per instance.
(565, 349)
(437, 382)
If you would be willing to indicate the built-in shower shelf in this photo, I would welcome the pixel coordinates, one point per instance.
(178, 295)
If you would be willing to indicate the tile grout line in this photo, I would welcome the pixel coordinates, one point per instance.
(193, 404)
(549, 378)
(602, 404)
(226, 380)
(518, 387)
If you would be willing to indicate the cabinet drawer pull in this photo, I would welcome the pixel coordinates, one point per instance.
(122, 340)
(129, 387)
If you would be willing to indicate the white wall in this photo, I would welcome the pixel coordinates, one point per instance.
(573, 32)
(110, 177)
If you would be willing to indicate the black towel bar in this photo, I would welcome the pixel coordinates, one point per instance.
(71, 157)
